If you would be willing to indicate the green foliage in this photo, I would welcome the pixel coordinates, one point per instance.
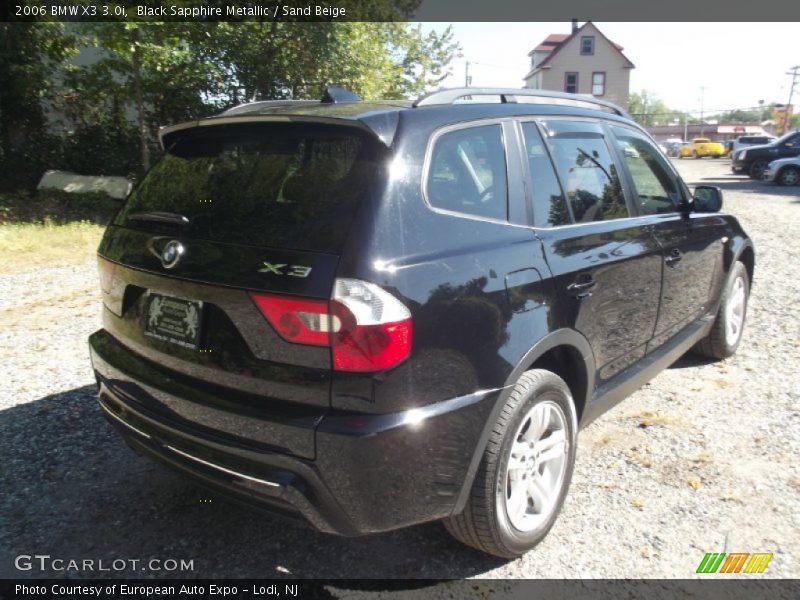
(259, 61)
(647, 109)
(30, 53)
(56, 206)
(99, 113)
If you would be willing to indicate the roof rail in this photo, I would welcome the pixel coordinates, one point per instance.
(509, 95)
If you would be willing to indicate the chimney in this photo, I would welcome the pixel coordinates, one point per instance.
(574, 25)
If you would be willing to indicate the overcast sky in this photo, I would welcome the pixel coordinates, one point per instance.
(738, 64)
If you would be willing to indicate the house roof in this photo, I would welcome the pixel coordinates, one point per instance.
(556, 41)
(550, 42)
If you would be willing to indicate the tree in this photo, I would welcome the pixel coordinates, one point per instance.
(277, 59)
(29, 54)
(156, 67)
(647, 109)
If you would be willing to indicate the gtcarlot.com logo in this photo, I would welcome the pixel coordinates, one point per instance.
(45, 562)
(734, 562)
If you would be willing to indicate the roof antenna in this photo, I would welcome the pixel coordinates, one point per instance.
(337, 95)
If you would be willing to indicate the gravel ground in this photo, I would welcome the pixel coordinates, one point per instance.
(702, 459)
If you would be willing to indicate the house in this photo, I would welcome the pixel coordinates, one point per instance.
(582, 62)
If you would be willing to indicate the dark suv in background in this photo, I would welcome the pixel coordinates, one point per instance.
(376, 314)
(753, 160)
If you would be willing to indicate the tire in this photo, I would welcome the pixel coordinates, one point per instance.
(717, 156)
(789, 176)
(726, 333)
(756, 170)
(540, 407)
(695, 154)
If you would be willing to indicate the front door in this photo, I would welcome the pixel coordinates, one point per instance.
(606, 264)
(690, 243)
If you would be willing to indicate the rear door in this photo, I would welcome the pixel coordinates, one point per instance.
(233, 214)
(606, 265)
(691, 242)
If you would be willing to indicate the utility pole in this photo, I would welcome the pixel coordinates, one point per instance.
(795, 73)
(702, 105)
(467, 78)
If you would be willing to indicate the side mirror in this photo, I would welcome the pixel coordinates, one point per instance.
(707, 199)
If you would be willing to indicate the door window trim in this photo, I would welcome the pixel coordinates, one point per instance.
(680, 185)
(428, 160)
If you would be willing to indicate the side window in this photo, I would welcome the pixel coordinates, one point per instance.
(467, 173)
(655, 188)
(587, 170)
(549, 205)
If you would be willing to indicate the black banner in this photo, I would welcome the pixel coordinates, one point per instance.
(715, 588)
(399, 10)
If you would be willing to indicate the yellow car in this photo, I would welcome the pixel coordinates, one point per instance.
(701, 147)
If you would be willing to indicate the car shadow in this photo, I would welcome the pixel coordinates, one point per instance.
(735, 183)
(73, 489)
(691, 360)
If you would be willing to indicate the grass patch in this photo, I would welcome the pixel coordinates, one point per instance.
(57, 207)
(31, 245)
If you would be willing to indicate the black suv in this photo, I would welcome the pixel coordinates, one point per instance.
(376, 314)
(753, 160)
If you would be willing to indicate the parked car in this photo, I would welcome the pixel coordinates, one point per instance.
(728, 145)
(743, 141)
(753, 160)
(784, 171)
(672, 145)
(376, 314)
(700, 147)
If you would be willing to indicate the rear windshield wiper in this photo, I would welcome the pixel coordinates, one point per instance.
(167, 218)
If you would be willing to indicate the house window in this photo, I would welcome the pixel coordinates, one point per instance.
(587, 44)
(598, 83)
(571, 83)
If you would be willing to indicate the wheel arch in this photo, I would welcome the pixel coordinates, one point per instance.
(747, 256)
(566, 353)
(784, 168)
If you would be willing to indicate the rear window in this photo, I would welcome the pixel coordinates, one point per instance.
(294, 187)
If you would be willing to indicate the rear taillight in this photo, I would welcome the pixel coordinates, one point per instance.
(366, 327)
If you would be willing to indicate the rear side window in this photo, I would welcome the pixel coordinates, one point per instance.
(587, 171)
(467, 172)
(549, 204)
(655, 188)
(294, 187)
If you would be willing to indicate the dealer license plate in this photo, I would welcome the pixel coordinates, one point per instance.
(175, 320)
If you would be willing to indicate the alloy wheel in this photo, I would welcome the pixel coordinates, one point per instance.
(536, 466)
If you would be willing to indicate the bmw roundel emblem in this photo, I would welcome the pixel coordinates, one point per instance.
(171, 254)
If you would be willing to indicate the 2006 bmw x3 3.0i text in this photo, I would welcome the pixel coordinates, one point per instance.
(376, 314)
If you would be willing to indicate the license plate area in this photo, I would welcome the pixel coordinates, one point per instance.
(173, 319)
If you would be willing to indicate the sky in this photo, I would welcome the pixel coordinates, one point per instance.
(736, 64)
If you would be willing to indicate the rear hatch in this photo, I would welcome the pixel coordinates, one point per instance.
(232, 214)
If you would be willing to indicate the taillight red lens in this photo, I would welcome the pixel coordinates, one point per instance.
(366, 327)
(296, 320)
(368, 347)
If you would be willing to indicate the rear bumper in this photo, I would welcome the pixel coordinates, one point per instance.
(370, 473)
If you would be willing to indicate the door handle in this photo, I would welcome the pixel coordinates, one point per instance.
(580, 289)
(674, 258)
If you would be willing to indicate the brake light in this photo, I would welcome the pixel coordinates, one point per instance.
(366, 328)
(296, 320)
(374, 327)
